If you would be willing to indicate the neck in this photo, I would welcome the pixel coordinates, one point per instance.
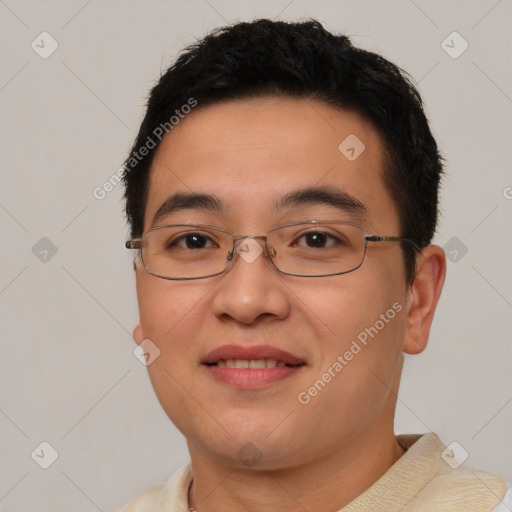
(329, 482)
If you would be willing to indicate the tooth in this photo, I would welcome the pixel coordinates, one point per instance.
(257, 363)
(253, 363)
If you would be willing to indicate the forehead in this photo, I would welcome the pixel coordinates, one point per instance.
(251, 153)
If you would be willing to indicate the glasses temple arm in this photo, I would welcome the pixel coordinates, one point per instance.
(377, 238)
(133, 244)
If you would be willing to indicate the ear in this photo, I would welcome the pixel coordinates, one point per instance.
(423, 296)
(138, 335)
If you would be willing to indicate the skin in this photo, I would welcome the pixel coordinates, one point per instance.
(318, 456)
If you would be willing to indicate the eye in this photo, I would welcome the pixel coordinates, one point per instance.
(317, 240)
(191, 241)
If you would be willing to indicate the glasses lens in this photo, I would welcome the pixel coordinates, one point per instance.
(186, 251)
(317, 249)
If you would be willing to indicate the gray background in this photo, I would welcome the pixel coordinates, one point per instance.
(68, 373)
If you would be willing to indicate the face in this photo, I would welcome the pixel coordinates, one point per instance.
(343, 335)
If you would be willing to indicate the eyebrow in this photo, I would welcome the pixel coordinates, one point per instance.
(326, 195)
(311, 196)
(188, 201)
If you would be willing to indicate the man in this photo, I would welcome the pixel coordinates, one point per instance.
(282, 194)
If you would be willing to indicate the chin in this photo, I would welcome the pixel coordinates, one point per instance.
(262, 455)
(252, 445)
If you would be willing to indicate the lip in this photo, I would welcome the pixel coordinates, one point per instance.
(255, 352)
(248, 378)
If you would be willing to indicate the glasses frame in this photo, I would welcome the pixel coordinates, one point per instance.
(136, 243)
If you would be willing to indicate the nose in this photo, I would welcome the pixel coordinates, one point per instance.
(252, 287)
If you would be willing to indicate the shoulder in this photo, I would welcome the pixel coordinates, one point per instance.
(505, 505)
(449, 486)
(170, 496)
(150, 499)
(464, 489)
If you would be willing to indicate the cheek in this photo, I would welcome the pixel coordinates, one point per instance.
(165, 308)
(169, 316)
(364, 324)
(350, 303)
(361, 355)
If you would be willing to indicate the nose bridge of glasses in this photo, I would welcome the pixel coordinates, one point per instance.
(238, 244)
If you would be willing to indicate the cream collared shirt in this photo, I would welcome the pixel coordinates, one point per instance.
(422, 480)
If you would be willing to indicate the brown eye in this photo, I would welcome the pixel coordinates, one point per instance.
(191, 241)
(317, 240)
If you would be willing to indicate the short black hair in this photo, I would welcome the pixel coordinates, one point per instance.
(303, 60)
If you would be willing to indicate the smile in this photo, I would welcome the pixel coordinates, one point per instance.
(250, 366)
(256, 364)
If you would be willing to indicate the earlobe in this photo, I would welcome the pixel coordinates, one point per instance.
(423, 297)
(138, 335)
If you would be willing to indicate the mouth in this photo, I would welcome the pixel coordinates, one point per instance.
(254, 364)
(251, 367)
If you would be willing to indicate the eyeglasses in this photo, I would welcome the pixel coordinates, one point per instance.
(306, 249)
